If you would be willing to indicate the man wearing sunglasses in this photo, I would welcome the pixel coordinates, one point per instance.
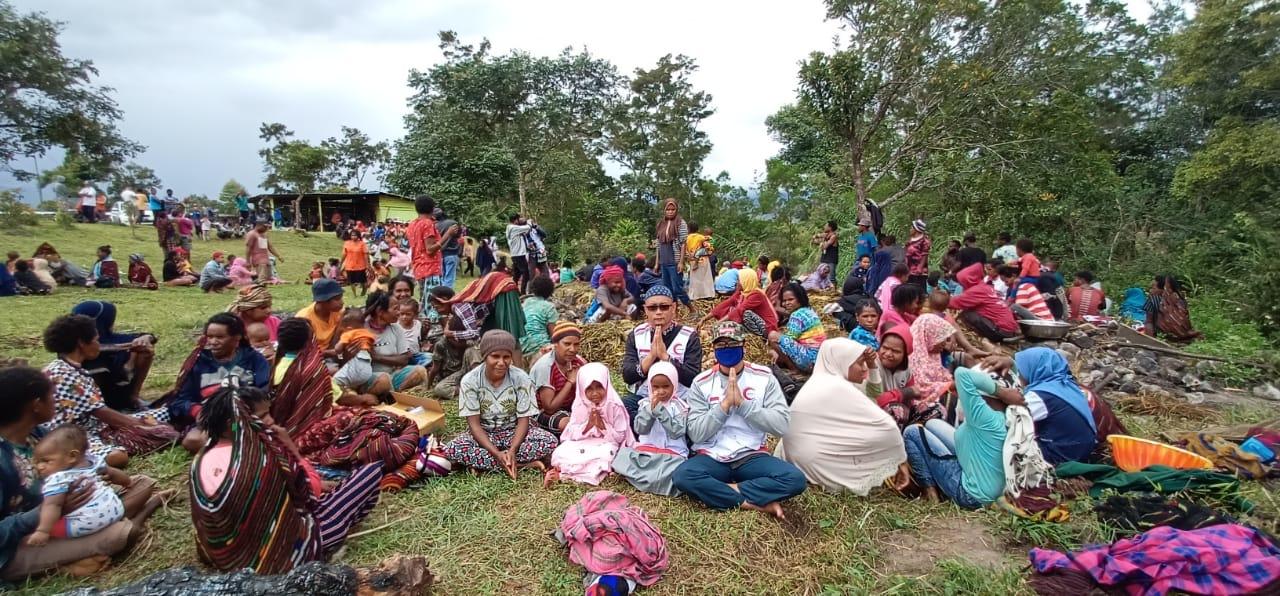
(732, 409)
(659, 338)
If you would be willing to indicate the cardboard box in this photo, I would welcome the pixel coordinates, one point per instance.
(422, 410)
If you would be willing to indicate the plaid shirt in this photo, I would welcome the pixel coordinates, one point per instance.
(75, 396)
(470, 316)
(1223, 559)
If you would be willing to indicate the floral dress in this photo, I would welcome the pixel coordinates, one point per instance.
(77, 397)
(801, 338)
(499, 408)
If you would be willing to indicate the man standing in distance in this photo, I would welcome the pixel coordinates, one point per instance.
(425, 242)
(518, 247)
(451, 247)
(258, 249)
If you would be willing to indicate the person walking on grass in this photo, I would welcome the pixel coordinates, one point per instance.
(259, 250)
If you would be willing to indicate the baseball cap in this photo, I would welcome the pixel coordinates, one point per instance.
(727, 330)
(217, 254)
(325, 289)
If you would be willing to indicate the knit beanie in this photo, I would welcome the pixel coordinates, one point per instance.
(565, 329)
(496, 339)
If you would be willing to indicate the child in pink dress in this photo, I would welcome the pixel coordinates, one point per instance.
(598, 427)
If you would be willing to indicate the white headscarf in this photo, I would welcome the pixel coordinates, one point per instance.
(838, 436)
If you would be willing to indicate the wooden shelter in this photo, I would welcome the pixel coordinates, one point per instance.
(318, 207)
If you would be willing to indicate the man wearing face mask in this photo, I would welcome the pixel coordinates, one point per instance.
(659, 339)
(732, 409)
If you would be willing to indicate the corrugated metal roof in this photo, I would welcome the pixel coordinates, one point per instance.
(329, 195)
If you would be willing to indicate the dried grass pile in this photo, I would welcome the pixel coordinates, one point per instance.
(1153, 404)
(605, 342)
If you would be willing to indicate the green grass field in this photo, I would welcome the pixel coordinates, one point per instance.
(490, 534)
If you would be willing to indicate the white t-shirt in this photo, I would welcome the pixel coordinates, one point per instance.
(128, 196)
(88, 197)
(390, 342)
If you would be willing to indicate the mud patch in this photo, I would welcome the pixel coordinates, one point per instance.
(918, 552)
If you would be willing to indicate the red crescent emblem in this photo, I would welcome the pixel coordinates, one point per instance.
(746, 393)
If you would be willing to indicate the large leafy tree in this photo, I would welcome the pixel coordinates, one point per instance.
(355, 157)
(48, 101)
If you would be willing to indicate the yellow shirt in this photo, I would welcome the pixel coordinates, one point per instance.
(322, 330)
(693, 243)
(283, 367)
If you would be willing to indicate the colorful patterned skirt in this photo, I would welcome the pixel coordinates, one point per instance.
(464, 450)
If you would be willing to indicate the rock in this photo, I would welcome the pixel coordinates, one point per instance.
(1267, 391)
(1146, 354)
(1146, 366)
(1130, 386)
(1081, 340)
(1155, 390)
(1123, 370)
(1171, 374)
(1205, 367)
(1195, 398)
(1173, 363)
(1191, 382)
(1127, 353)
(1070, 348)
(1207, 387)
(1048, 343)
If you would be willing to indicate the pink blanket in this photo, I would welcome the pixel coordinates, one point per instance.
(608, 536)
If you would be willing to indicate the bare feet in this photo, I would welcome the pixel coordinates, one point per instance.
(773, 509)
(86, 567)
(931, 493)
(139, 521)
(551, 477)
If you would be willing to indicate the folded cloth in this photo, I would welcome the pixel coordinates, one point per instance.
(1161, 479)
(608, 536)
(1024, 465)
(1222, 559)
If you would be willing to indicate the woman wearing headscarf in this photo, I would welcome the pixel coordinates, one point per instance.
(660, 424)
(1066, 424)
(598, 427)
(1167, 312)
(891, 384)
(748, 306)
(838, 437)
(499, 404)
(933, 337)
(881, 267)
(672, 234)
(124, 360)
(140, 275)
(697, 254)
(253, 305)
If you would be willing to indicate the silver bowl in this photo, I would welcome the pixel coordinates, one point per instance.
(1044, 329)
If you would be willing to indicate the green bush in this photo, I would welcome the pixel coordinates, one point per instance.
(14, 214)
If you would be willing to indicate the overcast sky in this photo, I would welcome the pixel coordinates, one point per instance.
(195, 79)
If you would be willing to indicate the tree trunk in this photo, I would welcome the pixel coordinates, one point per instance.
(524, 209)
(859, 178)
(297, 212)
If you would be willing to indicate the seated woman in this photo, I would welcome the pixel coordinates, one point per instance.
(491, 302)
(747, 306)
(904, 306)
(113, 436)
(660, 425)
(539, 316)
(981, 309)
(172, 271)
(1085, 298)
(222, 352)
(779, 277)
(390, 353)
(1066, 428)
(26, 404)
(726, 283)
(253, 305)
(933, 339)
(240, 273)
(819, 279)
(965, 463)
(303, 389)
(796, 345)
(498, 403)
(140, 275)
(892, 385)
(838, 437)
(248, 480)
(598, 427)
(1167, 313)
(124, 360)
(554, 375)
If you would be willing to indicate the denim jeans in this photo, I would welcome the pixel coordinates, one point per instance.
(931, 452)
(674, 282)
(761, 479)
(450, 270)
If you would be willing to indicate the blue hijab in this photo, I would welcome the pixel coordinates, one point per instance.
(104, 317)
(1134, 306)
(881, 267)
(1046, 371)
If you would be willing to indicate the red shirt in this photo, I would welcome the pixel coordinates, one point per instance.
(1030, 265)
(735, 306)
(422, 232)
(982, 299)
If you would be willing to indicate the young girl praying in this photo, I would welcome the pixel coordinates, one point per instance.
(597, 429)
(660, 424)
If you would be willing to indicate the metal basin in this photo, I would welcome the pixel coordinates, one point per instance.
(1044, 329)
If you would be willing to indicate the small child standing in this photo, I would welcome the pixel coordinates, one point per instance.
(410, 327)
(1028, 262)
(867, 315)
(62, 457)
(205, 227)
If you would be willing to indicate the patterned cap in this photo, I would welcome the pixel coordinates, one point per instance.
(563, 329)
(727, 329)
(656, 290)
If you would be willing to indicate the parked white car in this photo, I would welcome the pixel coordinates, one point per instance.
(119, 215)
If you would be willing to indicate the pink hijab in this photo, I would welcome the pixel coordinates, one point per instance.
(931, 378)
(617, 423)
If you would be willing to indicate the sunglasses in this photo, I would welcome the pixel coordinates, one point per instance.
(658, 307)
